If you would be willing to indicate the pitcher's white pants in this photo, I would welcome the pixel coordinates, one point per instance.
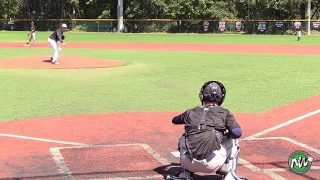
(56, 49)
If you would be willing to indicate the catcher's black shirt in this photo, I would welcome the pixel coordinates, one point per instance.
(56, 35)
(192, 117)
(217, 117)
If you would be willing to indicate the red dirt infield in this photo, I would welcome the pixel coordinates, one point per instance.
(66, 62)
(120, 161)
(228, 48)
(96, 146)
(91, 146)
(82, 62)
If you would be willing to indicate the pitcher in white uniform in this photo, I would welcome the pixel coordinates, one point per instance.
(56, 36)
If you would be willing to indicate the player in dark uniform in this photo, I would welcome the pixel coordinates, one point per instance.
(56, 36)
(32, 34)
(210, 142)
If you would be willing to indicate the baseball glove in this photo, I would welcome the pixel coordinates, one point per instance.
(63, 37)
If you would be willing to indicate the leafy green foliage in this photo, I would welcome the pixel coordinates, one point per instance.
(9, 7)
(160, 9)
(80, 28)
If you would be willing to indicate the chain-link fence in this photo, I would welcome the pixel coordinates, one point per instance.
(164, 25)
(51, 25)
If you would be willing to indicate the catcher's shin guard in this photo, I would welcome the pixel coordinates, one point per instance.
(229, 168)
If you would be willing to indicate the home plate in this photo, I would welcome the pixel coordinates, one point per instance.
(175, 154)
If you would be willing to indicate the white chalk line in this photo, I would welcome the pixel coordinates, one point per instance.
(56, 154)
(61, 164)
(256, 169)
(302, 145)
(305, 146)
(283, 124)
(287, 169)
(145, 146)
(64, 170)
(155, 155)
(250, 166)
(269, 172)
(40, 139)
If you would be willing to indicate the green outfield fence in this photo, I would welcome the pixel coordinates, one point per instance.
(163, 25)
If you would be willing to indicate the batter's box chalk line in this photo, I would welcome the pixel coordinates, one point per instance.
(266, 131)
(67, 174)
(256, 137)
(250, 166)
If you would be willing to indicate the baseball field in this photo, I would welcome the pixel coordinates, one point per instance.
(105, 112)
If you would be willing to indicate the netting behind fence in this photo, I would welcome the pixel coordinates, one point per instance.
(164, 25)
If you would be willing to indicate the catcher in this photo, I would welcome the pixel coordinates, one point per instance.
(56, 36)
(210, 141)
(32, 34)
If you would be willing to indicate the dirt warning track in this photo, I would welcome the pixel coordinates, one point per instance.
(227, 48)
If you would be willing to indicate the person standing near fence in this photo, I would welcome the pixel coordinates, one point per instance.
(298, 28)
(56, 36)
(32, 34)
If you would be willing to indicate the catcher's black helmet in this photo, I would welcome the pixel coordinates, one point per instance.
(212, 91)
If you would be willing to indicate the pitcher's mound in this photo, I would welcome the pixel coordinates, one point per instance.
(66, 61)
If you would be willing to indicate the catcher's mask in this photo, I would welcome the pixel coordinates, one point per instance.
(212, 91)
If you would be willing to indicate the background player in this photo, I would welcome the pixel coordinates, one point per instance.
(32, 34)
(298, 29)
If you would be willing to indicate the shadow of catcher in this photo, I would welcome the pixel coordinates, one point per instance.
(174, 168)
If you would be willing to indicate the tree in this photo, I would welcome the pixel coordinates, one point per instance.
(10, 8)
(142, 9)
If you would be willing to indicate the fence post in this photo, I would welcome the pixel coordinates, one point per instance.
(120, 15)
(309, 14)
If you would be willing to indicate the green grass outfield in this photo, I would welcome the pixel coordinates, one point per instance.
(9, 36)
(153, 80)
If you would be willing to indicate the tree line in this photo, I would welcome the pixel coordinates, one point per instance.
(158, 9)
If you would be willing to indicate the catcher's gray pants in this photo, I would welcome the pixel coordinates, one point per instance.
(214, 163)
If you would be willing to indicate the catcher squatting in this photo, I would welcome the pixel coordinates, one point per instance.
(210, 142)
(56, 36)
